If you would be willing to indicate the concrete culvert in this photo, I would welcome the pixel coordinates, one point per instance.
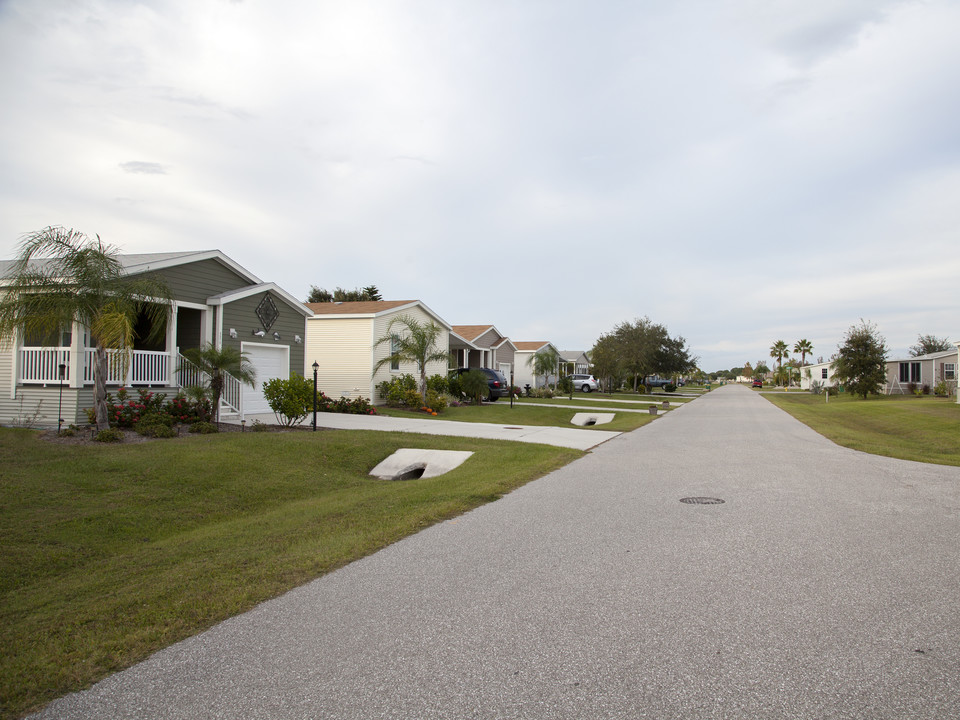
(413, 463)
(588, 419)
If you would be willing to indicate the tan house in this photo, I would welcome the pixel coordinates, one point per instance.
(342, 339)
(481, 346)
(903, 374)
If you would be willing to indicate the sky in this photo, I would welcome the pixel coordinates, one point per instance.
(741, 171)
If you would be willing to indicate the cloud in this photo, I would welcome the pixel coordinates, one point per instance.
(143, 168)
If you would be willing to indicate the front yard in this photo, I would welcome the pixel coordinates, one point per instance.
(925, 429)
(113, 552)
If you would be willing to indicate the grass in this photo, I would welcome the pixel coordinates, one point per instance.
(111, 553)
(925, 429)
(501, 413)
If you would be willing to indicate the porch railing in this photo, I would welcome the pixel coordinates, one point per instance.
(41, 365)
(189, 375)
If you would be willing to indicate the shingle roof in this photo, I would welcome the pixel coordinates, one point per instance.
(362, 307)
(471, 332)
(530, 344)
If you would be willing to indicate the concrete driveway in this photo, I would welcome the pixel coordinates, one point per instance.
(825, 586)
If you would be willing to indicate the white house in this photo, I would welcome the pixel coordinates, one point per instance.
(523, 368)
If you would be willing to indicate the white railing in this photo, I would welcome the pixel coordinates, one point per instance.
(189, 375)
(40, 365)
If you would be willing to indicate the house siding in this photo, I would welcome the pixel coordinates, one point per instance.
(931, 372)
(242, 316)
(380, 330)
(341, 347)
(195, 282)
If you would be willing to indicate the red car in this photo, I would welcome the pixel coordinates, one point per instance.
(758, 383)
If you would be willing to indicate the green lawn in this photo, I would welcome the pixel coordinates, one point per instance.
(926, 429)
(113, 552)
(501, 413)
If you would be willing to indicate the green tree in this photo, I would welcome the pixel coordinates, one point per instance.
(319, 295)
(803, 347)
(544, 362)
(217, 363)
(760, 370)
(861, 361)
(412, 341)
(927, 344)
(475, 385)
(61, 276)
(778, 350)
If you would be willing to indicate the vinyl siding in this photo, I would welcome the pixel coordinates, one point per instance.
(197, 281)
(380, 330)
(37, 401)
(341, 347)
(242, 316)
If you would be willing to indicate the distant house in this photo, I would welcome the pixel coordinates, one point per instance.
(818, 372)
(903, 374)
(574, 361)
(523, 372)
(342, 339)
(481, 346)
(216, 302)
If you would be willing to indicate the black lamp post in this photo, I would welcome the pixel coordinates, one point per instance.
(62, 368)
(316, 366)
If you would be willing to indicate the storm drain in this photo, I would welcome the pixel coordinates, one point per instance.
(414, 463)
(702, 501)
(588, 419)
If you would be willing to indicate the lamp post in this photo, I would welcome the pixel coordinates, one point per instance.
(316, 366)
(62, 370)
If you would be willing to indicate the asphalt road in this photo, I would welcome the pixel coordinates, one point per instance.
(825, 586)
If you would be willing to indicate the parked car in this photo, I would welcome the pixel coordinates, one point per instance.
(757, 383)
(499, 387)
(655, 381)
(584, 383)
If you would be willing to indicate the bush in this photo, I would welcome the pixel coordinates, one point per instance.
(439, 384)
(454, 387)
(187, 411)
(541, 392)
(396, 391)
(515, 391)
(203, 427)
(816, 387)
(669, 387)
(258, 426)
(474, 385)
(435, 401)
(291, 400)
(565, 386)
(109, 435)
(155, 430)
(125, 412)
(941, 389)
(357, 406)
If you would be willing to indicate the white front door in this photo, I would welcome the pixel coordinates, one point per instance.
(268, 362)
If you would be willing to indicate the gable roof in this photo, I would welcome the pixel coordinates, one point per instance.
(232, 295)
(928, 356)
(530, 345)
(369, 309)
(472, 332)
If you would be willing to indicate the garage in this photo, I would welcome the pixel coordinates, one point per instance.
(268, 362)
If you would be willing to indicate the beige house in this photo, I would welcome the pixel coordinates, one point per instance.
(481, 346)
(523, 373)
(342, 339)
(915, 372)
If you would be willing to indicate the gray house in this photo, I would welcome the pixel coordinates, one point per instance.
(216, 301)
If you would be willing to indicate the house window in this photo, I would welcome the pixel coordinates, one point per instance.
(949, 371)
(910, 372)
(823, 373)
(394, 346)
(62, 338)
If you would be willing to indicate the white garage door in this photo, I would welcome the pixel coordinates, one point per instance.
(268, 361)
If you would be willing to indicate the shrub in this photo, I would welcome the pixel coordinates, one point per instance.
(357, 406)
(941, 389)
(816, 387)
(515, 391)
(542, 392)
(925, 389)
(109, 435)
(69, 431)
(203, 427)
(565, 386)
(669, 387)
(155, 430)
(474, 385)
(124, 411)
(186, 410)
(394, 392)
(291, 399)
(258, 426)
(439, 384)
(454, 387)
(435, 401)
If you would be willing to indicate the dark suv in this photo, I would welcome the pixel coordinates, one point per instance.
(499, 387)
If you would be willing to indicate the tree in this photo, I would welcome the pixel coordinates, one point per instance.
(544, 362)
(803, 347)
(415, 342)
(217, 363)
(760, 370)
(60, 277)
(861, 361)
(778, 350)
(319, 295)
(927, 344)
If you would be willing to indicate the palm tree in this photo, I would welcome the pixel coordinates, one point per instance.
(412, 341)
(803, 347)
(778, 350)
(544, 363)
(60, 277)
(217, 363)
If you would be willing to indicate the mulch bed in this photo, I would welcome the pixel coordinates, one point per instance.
(84, 436)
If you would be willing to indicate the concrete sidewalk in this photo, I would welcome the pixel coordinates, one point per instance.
(577, 439)
(825, 585)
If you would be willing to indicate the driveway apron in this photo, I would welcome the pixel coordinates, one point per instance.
(824, 586)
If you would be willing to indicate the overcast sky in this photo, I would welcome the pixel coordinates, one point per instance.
(741, 171)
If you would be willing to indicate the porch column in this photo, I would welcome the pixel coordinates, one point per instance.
(956, 372)
(171, 346)
(78, 356)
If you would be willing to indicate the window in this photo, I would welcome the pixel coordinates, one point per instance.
(949, 371)
(823, 373)
(910, 372)
(394, 346)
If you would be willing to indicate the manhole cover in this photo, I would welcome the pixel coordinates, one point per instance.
(507, 427)
(702, 501)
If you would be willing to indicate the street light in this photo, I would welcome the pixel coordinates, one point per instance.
(62, 368)
(316, 366)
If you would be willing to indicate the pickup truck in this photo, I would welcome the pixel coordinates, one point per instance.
(656, 381)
